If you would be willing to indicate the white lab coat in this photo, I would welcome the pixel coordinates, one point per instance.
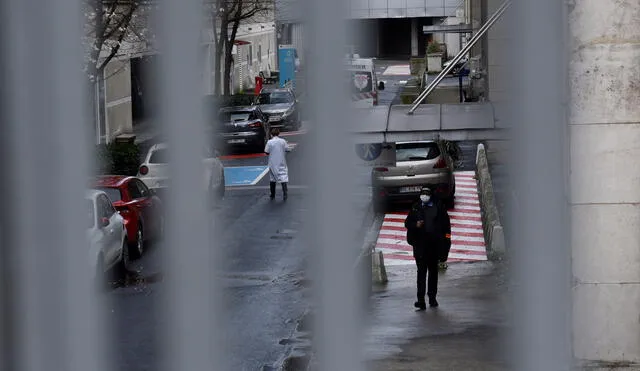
(276, 148)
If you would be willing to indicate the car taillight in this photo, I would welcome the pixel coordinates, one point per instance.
(441, 164)
(255, 125)
(144, 170)
(381, 169)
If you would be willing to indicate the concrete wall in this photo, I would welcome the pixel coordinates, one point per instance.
(497, 40)
(118, 97)
(604, 128)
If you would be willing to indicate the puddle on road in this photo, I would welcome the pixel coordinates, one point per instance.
(133, 278)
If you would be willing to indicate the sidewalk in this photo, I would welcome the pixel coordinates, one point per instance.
(464, 333)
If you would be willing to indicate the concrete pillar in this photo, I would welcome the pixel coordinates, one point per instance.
(604, 127)
(414, 37)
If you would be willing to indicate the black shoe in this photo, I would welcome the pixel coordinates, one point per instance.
(433, 303)
(420, 305)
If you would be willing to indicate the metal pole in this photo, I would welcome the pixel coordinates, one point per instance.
(494, 18)
(539, 238)
(56, 307)
(194, 319)
(331, 166)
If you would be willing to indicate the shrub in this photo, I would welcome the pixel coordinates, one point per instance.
(434, 48)
(118, 158)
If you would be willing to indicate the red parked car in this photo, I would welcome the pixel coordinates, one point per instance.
(139, 206)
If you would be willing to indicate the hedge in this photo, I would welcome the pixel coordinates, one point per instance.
(117, 159)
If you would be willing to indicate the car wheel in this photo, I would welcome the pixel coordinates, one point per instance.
(137, 247)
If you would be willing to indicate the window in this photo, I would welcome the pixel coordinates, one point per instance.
(113, 193)
(234, 116)
(105, 207)
(159, 156)
(250, 58)
(260, 53)
(416, 151)
(275, 98)
(144, 191)
(134, 191)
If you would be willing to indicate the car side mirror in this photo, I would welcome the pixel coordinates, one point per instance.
(104, 222)
(381, 85)
(152, 191)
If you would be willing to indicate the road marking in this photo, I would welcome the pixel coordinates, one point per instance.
(398, 70)
(292, 146)
(262, 188)
(244, 175)
(467, 234)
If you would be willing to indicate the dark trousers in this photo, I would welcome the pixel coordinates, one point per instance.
(427, 265)
(272, 187)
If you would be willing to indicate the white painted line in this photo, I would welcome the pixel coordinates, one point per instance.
(470, 223)
(260, 176)
(465, 172)
(458, 239)
(392, 224)
(467, 194)
(463, 214)
(468, 207)
(467, 257)
(455, 230)
(256, 188)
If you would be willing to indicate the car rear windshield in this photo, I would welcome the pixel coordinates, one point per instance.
(113, 193)
(234, 116)
(416, 151)
(274, 98)
(159, 156)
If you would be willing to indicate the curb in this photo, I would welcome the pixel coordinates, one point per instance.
(493, 231)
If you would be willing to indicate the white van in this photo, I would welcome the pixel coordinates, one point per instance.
(364, 84)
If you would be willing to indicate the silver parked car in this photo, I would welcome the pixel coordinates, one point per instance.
(418, 164)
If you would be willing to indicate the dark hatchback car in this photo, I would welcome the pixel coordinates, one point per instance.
(245, 127)
(281, 107)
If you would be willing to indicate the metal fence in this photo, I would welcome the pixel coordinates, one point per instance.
(51, 318)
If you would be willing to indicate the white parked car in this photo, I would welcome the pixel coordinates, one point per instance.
(154, 171)
(106, 234)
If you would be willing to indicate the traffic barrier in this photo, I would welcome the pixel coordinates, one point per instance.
(493, 231)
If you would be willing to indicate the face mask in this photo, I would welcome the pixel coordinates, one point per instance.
(424, 198)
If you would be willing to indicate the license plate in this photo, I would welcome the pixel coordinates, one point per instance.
(274, 118)
(410, 189)
(235, 141)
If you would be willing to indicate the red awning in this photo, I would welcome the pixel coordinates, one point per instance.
(241, 42)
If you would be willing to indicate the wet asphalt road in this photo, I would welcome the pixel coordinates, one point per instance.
(262, 277)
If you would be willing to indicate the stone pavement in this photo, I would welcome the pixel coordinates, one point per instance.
(464, 333)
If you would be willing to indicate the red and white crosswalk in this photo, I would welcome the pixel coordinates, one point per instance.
(467, 236)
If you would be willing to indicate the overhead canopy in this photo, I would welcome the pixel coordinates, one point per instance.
(462, 121)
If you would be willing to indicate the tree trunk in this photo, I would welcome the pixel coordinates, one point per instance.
(228, 61)
(230, 41)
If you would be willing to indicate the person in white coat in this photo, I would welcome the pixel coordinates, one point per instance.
(276, 148)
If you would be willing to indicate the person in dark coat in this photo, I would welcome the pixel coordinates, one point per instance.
(429, 233)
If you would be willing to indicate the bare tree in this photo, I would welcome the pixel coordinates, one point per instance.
(227, 16)
(110, 24)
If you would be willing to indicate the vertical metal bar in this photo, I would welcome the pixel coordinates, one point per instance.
(540, 248)
(331, 168)
(55, 307)
(192, 304)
